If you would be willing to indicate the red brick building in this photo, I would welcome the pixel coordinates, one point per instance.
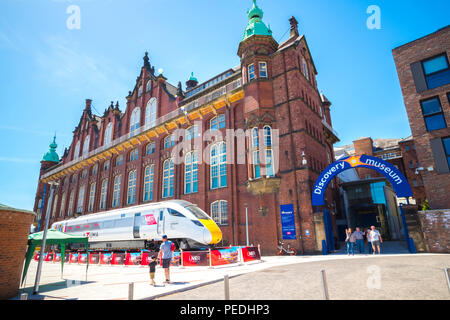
(125, 158)
(424, 72)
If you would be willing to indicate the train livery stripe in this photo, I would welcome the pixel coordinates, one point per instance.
(216, 234)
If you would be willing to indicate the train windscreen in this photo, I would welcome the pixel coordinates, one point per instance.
(198, 213)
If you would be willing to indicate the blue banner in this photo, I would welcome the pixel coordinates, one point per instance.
(398, 181)
(288, 222)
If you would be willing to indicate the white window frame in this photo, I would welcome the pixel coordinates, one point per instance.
(71, 200)
(63, 204)
(103, 194)
(91, 197)
(150, 113)
(131, 191)
(263, 69)
(218, 160)
(135, 119)
(108, 134)
(116, 191)
(251, 73)
(215, 123)
(168, 177)
(219, 212)
(191, 172)
(148, 182)
(86, 145)
(81, 194)
(76, 152)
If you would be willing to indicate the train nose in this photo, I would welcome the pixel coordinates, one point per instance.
(211, 233)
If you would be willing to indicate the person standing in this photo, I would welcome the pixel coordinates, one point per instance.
(369, 241)
(376, 239)
(350, 241)
(165, 254)
(359, 236)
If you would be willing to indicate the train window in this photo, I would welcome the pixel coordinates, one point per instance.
(121, 223)
(175, 213)
(108, 224)
(198, 213)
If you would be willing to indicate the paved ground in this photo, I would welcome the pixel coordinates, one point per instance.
(392, 277)
(402, 277)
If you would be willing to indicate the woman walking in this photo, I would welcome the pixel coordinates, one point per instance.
(350, 240)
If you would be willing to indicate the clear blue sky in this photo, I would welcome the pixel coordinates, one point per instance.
(47, 71)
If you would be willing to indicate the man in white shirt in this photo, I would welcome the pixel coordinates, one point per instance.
(376, 239)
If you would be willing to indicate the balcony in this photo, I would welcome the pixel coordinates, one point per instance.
(330, 134)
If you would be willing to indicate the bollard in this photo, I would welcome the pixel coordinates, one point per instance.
(24, 296)
(447, 275)
(226, 281)
(325, 285)
(130, 290)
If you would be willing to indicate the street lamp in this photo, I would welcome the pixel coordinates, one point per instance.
(44, 237)
(246, 221)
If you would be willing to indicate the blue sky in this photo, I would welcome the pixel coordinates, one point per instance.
(47, 70)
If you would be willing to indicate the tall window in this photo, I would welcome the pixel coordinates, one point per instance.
(148, 182)
(84, 174)
(103, 192)
(268, 136)
(192, 133)
(432, 114)
(218, 165)
(148, 87)
(63, 205)
(134, 154)
(135, 119)
(150, 113)
(106, 165)
(255, 138)
(437, 71)
(251, 72)
(71, 199)
(119, 160)
(80, 203)
(256, 165)
(150, 149)
(116, 191)
(219, 212)
(95, 169)
(217, 122)
(140, 91)
(76, 153)
(169, 141)
(86, 145)
(191, 172)
(263, 69)
(91, 197)
(55, 204)
(131, 194)
(305, 68)
(168, 171)
(269, 164)
(108, 134)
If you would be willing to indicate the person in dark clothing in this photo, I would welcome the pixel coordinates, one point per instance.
(152, 265)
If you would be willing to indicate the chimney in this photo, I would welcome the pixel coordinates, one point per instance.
(294, 26)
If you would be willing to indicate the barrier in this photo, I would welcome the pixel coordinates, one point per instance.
(73, 258)
(94, 258)
(105, 258)
(222, 257)
(118, 258)
(250, 254)
(82, 258)
(195, 258)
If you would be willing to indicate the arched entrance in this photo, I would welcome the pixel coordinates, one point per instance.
(399, 183)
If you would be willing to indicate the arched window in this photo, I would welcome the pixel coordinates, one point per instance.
(218, 165)
(140, 91)
(135, 119)
(191, 172)
(148, 87)
(76, 153)
(268, 136)
(116, 191)
(63, 205)
(219, 212)
(148, 183)
(150, 149)
(108, 134)
(150, 113)
(103, 192)
(169, 141)
(192, 133)
(91, 197)
(134, 154)
(80, 204)
(255, 138)
(55, 204)
(167, 184)
(95, 169)
(71, 199)
(119, 160)
(131, 194)
(305, 68)
(86, 145)
(217, 122)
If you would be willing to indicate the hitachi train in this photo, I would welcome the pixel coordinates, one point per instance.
(142, 226)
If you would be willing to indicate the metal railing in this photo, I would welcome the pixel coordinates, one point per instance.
(169, 116)
(330, 128)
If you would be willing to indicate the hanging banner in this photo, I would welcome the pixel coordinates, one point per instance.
(224, 256)
(94, 258)
(73, 258)
(82, 258)
(250, 254)
(195, 258)
(118, 258)
(105, 258)
(288, 222)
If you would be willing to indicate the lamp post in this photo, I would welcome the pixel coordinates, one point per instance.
(246, 221)
(44, 237)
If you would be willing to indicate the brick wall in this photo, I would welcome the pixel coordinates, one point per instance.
(435, 226)
(14, 228)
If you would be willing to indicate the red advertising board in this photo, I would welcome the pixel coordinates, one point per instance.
(195, 258)
(118, 258)
(250, 254)
(73, 258)
(105, 258)
(224, 256)
(133, 259)
(57, 257)
(82, 258)
(94, 258)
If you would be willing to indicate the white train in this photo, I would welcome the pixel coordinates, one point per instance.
(139, 227)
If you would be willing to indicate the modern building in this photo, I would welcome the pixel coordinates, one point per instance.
(122, 159)
(424, 72)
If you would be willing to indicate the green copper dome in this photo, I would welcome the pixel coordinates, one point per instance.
(255, 25)
(192, 78)
(51, 155)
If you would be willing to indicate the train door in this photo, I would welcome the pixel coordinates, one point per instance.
(137, 225)
(161, 222)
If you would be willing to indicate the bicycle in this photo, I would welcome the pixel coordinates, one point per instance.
(290, 251)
